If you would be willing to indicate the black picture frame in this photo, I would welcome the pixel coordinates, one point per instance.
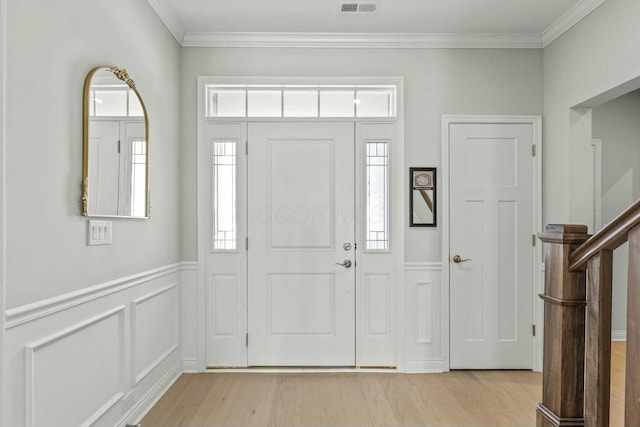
(423, 197)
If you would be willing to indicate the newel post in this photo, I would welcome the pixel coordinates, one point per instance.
(564, 330)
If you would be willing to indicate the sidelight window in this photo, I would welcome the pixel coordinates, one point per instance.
(377, 196)
(224, 195)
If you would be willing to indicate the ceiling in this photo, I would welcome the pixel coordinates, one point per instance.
(541, 20)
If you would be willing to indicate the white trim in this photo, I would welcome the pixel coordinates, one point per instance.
(536, 123)
(619, 335)
(568, 20)
(29, 370)
(303, 370)
(144, 405)
(361, 40)
(397, 165)
(422, 266)
(189, 366)
(425, 367)
(30, 312)
(169, 19)
(137, 377)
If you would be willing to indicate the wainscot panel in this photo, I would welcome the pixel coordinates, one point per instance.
(101, 357)
(423, 318)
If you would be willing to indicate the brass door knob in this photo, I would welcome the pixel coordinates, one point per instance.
(458, 259)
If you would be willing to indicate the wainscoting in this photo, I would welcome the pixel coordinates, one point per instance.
(101, 356)
(424, 308)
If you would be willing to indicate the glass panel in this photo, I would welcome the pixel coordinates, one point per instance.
(374, 103)
(301, 103)
(224, 195)
(111, 103)
(138, 177)
(377, 213)
(226, 103)
(92, 103)
(337, 103)
(135, 108)
(264, 103)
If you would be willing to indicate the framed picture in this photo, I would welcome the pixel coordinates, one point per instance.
(422, 197)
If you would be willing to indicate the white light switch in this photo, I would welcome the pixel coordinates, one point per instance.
(99, 233)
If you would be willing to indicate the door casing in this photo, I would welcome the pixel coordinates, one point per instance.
(397, 186)
(538, 286)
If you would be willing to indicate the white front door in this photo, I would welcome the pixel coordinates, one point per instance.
(491, 252)
(301, 223)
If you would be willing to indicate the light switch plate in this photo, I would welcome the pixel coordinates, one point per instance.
(99, 233)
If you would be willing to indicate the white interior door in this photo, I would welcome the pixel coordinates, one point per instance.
(491, 229)
(301, 301)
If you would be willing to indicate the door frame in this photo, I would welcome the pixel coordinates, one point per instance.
(537, 261)
(397, 185)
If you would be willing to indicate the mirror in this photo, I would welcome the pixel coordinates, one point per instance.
(115, 169)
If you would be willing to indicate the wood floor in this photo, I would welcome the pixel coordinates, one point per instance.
(457, 398)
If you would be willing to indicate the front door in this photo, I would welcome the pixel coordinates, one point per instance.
(491, 250)
(301, 223)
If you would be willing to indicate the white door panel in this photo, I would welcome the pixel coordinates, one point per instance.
(301, 305)
(491, 227)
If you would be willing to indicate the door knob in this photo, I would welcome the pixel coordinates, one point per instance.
(458, 259)
(345, 264)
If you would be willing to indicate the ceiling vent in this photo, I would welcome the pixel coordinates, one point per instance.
(358, 7)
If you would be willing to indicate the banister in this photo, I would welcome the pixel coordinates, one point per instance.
(612, 236)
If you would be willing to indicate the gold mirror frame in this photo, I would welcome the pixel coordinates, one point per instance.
(122, 75)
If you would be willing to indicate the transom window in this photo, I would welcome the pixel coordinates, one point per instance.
(300, 101)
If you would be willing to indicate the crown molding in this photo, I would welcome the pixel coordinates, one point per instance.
(169, 19)
(373, 40)
(568, 20)
(362, 40)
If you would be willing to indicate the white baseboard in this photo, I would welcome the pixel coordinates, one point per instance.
(619, 335)
(190, 366)
(144, 405)
(424, 367)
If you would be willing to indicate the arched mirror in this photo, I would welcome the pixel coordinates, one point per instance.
(115, 170)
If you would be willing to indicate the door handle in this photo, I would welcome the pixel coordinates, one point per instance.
(345, 264)
(458, 259)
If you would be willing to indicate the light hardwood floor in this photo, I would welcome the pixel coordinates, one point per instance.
(457, 398)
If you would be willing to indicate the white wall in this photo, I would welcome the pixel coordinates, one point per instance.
(51, 46)
(594, 57)
(89, 335)
(3, 38)
(617, 124)
(437, 82)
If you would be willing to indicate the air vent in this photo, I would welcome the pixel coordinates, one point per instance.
(364, 7)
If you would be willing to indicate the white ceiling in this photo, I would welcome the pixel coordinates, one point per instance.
(544, 19)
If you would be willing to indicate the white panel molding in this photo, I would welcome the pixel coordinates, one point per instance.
(568, 20)
(135, 339)
(362, 40)
(426, 337)
(619, 335)
(424, 366)
(189, 265)
(30, 356)
(30, 312)
(144, 405)
(422, 266)
(190, 366)
(168, 18)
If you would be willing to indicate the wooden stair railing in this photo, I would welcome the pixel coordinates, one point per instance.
(577, 318)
